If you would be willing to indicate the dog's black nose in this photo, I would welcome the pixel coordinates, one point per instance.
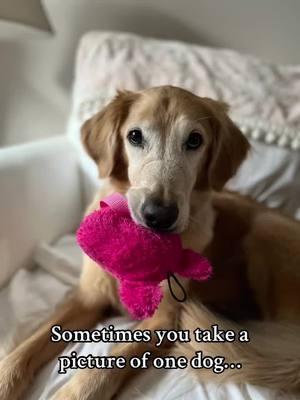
(159, 216)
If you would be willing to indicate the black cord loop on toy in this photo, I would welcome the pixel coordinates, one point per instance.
(170, 276)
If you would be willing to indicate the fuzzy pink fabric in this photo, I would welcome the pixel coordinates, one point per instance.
(138, 257)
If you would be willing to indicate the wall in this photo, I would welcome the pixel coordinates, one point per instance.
(36, 69)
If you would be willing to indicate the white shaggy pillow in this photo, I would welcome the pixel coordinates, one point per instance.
(264, 100)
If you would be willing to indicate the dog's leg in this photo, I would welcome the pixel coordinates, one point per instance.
(81, 311)
(92, 384)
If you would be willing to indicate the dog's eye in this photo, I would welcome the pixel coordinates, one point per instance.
(135, 137)
(194, 141)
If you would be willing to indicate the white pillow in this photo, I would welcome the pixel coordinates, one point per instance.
(264, 99)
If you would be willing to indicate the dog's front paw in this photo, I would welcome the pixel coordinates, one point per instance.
(72, 392)
(66, 393)
(13, 378)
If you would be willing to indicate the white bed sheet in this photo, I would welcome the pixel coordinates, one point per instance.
(33, 294)
(151, 384)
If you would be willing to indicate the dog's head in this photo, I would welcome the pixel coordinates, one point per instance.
(165, 143)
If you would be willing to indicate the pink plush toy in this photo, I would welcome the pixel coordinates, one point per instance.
(138, 257)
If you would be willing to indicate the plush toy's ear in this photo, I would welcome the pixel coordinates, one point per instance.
(194, 266)
(229, 146)
(141, 300)
(102, 139)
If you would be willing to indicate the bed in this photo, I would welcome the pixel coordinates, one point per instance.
(265, 101)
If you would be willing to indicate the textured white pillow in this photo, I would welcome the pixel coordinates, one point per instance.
(264, 99)
(271, 175)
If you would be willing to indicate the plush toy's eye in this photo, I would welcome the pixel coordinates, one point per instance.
(194, 141)
(135, 137)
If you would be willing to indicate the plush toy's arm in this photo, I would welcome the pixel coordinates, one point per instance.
(141, 299)
(194, 266)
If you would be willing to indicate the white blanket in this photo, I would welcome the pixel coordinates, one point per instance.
(32, 295)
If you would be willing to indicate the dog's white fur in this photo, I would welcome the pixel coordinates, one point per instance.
(164, 165)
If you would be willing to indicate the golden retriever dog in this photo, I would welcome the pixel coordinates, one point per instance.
(171, 153)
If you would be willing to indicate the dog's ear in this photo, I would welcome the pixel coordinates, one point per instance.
(102, 140)
(229, 146)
